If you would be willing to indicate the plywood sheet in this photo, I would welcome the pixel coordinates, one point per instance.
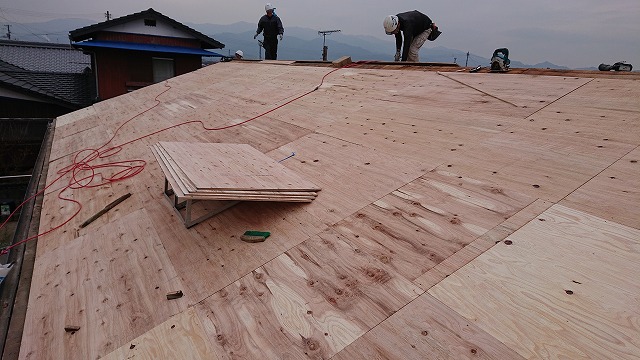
(427, 329)
(311, 301)
(232, 167)
(180, 337)
(478, 246)
(613, 194)
(350, 175)
(424, 222)
(562, 288)
(546, 166)
(97, 282)
(524, 91)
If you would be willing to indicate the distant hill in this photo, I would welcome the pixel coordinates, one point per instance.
(298, 43)
(54, 31)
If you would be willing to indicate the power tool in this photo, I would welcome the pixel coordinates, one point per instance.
(500, 60)
(619, 66)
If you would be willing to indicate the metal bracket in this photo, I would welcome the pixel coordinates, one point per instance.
(185, 207)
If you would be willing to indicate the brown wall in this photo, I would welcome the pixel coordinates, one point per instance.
(119, 71)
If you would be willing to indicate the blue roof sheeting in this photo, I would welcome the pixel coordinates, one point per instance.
(145, 47)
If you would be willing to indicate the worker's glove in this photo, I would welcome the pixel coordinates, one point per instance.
(397, 57)
(280, 36)
(255, 36)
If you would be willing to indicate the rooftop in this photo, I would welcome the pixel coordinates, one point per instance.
(461, 215)
(55, 72)
(44, 57)
(90, 31)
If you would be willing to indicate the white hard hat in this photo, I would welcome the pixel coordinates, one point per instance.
(269, 7)
(390, 24)
(240, 53)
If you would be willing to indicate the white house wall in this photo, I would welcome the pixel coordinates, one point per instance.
(161, 29)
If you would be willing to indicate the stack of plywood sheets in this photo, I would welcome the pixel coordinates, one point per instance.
(216, 171)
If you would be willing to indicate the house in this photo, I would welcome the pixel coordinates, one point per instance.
(140, 49)
(461, 215)
(43, 80)
(38, 82)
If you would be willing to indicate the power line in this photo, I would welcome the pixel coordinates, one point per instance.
(23, 26)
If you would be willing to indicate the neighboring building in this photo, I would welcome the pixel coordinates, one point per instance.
(141, 49)
(43, 80)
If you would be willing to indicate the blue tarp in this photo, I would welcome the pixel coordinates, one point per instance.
(145, 47)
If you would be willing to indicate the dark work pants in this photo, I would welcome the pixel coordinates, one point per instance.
(270, 47)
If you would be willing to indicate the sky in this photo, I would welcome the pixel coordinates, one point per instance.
(572, 33)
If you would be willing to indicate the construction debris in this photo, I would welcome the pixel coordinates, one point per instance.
(174, 295)
(71, 328)
(106, 209)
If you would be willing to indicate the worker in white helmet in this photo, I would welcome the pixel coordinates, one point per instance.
(415, 27)
(272, 27)
(239, 55)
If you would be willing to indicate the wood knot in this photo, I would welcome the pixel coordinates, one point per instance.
(455, 221)
(312, 345)
(377, 275)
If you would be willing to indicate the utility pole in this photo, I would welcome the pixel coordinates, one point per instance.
(8, 31)
(467, 61)
(324, 38)
(107, 15)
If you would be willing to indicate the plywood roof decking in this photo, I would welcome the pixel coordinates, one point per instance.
(424, 175)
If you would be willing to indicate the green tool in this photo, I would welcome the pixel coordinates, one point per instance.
(255, 236)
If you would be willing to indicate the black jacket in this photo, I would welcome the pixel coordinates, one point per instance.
(412, 24)
(272, 26)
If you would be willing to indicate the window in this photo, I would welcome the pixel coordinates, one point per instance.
(163, 69)
(149, 22)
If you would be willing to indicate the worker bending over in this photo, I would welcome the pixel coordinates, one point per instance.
(416, 28)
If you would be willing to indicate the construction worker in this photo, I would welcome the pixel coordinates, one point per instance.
(272, 27)
(239, 55)
(416, 28)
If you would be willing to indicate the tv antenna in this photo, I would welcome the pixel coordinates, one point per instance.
(324, 39)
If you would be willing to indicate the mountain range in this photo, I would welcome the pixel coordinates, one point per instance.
(298, 43)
